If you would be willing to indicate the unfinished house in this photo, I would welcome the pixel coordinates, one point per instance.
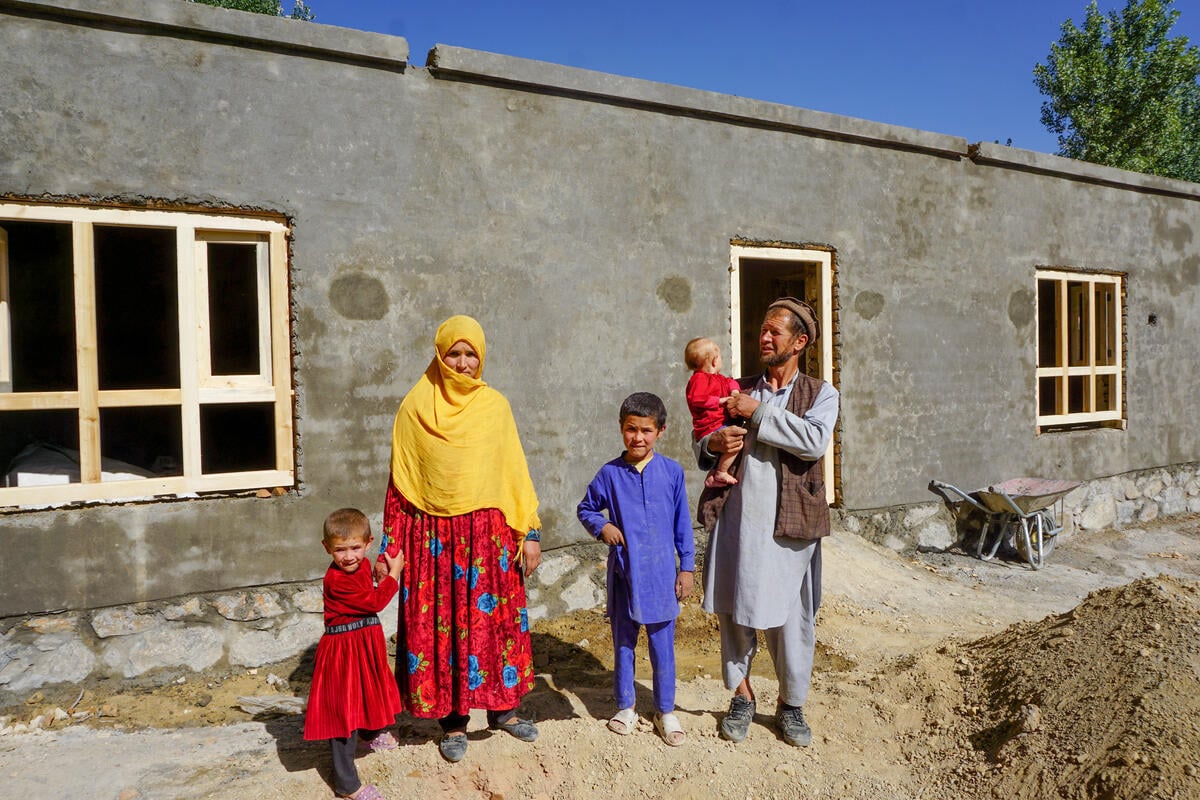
(226, 241)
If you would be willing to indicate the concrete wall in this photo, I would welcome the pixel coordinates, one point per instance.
(586, 220)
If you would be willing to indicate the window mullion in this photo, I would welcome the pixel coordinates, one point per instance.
(1063, 347)
(189, 253)
(87, 366)
(1093, 322)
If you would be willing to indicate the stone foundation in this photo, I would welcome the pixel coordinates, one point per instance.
(154, 642)
(1117, 502)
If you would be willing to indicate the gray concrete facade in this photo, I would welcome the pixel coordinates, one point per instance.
(586, 220)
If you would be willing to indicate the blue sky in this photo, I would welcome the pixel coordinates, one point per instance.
(960, 67)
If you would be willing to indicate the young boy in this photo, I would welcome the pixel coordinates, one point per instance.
(647, 527)
(705, 389)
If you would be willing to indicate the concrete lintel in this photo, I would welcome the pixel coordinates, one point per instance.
(446, 61)
(988, 153)
(227, 25)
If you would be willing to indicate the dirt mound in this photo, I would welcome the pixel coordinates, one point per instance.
(1099, 702)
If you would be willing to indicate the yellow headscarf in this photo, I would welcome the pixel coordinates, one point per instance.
(455, 447)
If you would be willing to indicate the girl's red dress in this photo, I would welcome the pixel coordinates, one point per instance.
(463, 636)
(352, 684)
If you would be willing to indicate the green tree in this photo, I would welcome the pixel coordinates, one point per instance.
(1123, 92)
(300, 9)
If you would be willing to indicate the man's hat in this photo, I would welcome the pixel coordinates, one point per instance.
(804, 312)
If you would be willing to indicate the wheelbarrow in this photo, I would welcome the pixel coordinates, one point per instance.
(1020, 511)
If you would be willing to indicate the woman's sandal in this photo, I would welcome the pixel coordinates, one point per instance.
(366, 792)
(669, 729)
(453, 747)
(523, 729)
(623, 722)
(382, 743)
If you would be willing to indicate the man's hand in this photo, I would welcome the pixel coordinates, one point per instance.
(611, 535)
(727, 439)
(740, 406)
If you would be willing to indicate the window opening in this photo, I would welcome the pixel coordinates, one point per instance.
(1079, 366)
(234, 326)
(137, 308)
(142, 354)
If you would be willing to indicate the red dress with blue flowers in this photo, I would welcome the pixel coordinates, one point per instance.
(463, 636)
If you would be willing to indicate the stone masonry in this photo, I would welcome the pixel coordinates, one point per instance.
(155, 642)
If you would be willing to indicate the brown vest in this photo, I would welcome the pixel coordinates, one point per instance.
(802, 512)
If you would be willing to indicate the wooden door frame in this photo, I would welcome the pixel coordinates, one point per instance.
(822, 265)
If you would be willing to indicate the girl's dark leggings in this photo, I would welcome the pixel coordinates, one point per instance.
(345, 774)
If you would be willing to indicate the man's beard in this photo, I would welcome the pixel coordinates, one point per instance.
(777, 360)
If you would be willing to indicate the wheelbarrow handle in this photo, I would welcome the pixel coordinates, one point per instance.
(943, 490)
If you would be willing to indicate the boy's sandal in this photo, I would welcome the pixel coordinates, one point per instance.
(623, 722)
(669, 729)
(382, 743)
(366, 792)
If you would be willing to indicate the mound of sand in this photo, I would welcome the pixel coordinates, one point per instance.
(1099, 702)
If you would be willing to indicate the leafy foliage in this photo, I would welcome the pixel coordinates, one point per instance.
(1123, 92)
(300, 9)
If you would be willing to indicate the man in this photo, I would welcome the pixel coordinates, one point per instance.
(763, 570)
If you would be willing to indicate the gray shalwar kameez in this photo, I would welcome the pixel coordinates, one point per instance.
(754, 580)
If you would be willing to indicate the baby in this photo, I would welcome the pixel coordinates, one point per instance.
(705, 389)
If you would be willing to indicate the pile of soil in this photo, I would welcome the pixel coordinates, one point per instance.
(1099, 702)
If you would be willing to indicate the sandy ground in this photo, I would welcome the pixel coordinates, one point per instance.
(938, 677)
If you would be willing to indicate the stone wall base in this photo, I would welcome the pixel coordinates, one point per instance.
(1134, 498)
(155, 642)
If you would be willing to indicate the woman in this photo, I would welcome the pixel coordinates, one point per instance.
(461, 507)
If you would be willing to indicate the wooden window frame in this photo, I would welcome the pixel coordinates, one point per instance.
(1089, 370)
(198, 386)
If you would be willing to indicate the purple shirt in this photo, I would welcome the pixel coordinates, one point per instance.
(651, 509)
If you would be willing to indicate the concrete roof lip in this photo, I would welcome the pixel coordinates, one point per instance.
(228, 25)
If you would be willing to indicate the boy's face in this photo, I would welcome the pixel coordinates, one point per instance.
(640, 434)
(348, 554)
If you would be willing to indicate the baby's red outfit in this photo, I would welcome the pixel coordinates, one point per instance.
(353, 687)
(704, 391)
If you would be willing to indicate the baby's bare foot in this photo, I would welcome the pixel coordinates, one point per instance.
(715, 479)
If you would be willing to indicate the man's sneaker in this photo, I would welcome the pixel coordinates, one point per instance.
(736, 724)
(790, 722)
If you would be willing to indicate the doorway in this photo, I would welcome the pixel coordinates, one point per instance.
(760, 274)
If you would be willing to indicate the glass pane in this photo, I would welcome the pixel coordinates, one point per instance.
(1077, 394)
(41, 306)
(137, 308)
(1106, 324)
(146, 442)
(1048, 399)
(1106, 396)
(237, 437)
(39, 448)
(1078, 327)
(1047, 300)
(233, 308)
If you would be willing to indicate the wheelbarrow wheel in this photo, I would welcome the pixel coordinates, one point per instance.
(1036, 540)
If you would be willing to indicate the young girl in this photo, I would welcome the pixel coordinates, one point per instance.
(353, 692)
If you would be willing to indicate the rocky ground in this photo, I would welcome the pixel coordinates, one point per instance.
(938, 677)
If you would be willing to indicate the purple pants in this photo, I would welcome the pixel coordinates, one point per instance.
(661, 637)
